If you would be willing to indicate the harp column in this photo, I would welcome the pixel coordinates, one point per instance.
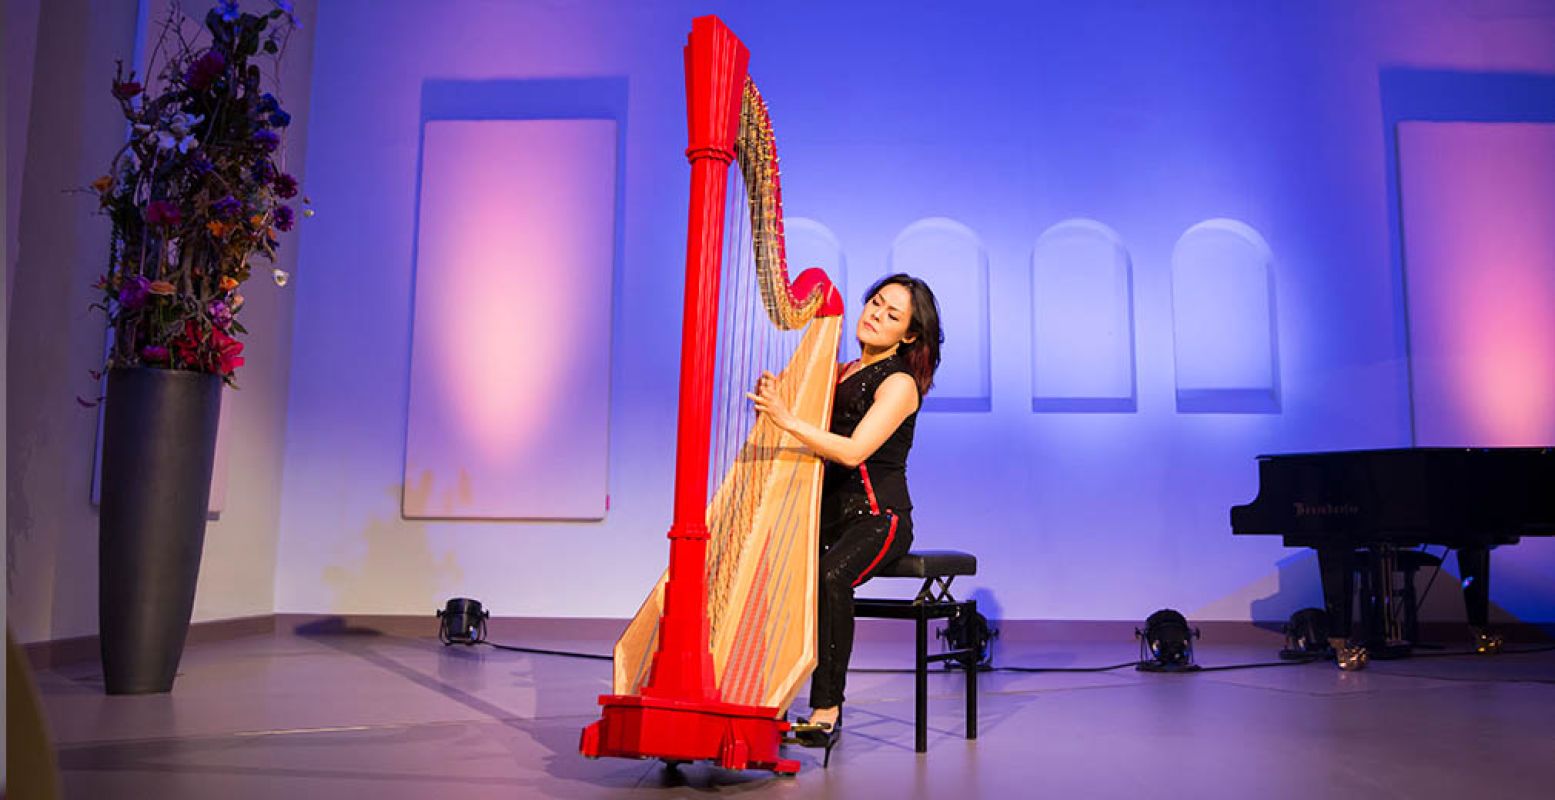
(716, 64)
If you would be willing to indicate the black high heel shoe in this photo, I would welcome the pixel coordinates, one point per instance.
(818, 734)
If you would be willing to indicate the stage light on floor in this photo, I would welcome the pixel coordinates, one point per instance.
(969, 631)
(463, 622)
(1166, 643)
(1306, 636)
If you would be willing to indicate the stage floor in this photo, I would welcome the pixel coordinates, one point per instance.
(347, 715)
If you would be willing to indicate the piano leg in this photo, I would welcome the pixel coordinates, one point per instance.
(1369, 597)
(1336, 565)
(1474, 567)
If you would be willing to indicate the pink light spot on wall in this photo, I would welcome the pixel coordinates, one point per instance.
(509, 397)
(1479, 259)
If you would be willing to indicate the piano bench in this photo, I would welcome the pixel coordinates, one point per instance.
(936, 568)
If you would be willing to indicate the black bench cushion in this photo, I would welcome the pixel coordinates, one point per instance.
(930, 564)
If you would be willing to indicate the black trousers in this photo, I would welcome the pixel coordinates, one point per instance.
(852, 549)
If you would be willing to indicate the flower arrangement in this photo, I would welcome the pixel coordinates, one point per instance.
(197, 191)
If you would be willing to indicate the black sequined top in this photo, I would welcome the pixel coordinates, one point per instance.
(880, 482)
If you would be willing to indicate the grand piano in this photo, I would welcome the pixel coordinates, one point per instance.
(1362, 509)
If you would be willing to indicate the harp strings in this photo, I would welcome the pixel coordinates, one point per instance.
(743, 447)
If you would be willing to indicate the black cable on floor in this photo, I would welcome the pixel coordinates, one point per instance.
(1124, 665)
(1256, 665)
(1031, 670)
(1505, 651)
(1066, 669)
(543, 652)
(1253, 665)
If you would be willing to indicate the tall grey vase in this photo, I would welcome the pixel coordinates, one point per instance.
(159, 447)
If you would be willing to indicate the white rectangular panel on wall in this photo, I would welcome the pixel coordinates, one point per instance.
(1478, 211)
(510, 355)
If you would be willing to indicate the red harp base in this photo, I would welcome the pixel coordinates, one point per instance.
(732, 736)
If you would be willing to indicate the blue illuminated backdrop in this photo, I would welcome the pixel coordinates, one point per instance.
(1162, 236)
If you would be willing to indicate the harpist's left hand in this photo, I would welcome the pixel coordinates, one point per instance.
(768, 401)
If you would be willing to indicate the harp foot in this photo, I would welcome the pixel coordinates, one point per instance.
(730, 735)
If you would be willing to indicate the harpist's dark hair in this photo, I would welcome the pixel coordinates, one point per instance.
(922, 354)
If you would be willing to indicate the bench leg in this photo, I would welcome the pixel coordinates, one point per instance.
(922, 688)
(971, 703)
(971, 688)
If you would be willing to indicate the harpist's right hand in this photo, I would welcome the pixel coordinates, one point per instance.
(767, 401)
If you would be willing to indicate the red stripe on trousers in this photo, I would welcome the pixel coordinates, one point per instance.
(890, 536)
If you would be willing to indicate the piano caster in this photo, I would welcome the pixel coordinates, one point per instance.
(1351, 658)
(1488, 643)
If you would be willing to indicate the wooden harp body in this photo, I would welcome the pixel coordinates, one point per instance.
(710, 663)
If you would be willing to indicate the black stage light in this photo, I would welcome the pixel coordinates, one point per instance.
(463, 622)
(969, 631)
(1166, 643)
(1306, 636)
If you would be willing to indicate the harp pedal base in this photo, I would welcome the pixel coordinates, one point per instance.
(732, 736)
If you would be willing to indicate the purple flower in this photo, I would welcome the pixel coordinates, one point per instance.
(220, 314)
(228, 9)
(153, 353)
(135, 292)
(264, 171)
(205, 70)
(201, 165)
(267, 104)
(284, 218)
(280, 119)
(267, 140)
(285, 186)
(227, 207)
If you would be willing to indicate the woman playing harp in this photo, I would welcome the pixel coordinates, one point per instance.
(866, 511)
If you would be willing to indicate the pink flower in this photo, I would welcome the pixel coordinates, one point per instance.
(154, 354)
(228, 352)
(220, 353)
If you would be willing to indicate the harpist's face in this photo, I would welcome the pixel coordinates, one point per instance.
(885, 318)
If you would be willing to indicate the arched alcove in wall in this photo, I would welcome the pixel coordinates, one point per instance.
(1082, 320)
(1224, 335)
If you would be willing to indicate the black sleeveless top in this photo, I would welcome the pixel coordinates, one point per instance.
(880, 483)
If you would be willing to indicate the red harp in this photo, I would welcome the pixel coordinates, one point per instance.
(708, 667)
